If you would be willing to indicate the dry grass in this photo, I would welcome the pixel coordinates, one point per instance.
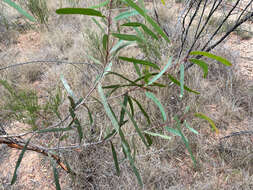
(167, 164)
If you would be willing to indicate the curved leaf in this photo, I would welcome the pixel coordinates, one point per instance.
(202, 64)
(212, 56)
(158, 135)
(158, 103)
(210, 121)
(100, 5)
(161, 73)
(126, 15)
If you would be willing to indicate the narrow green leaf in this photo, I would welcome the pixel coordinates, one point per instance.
(20, 10)
(115, 159)
(80, 11)
(107, 108)
(137, 69)
(110, 134)
(139, 61)
(158, 135)
(132, 82)
(131, 160)
(202, 64)
(134, 147)
(161, 73)
(148, 18)
(143, 26)
(173, 131)
(56, 175)
(122, 112)
(186, 142)
(126, 15)
(100, 5)
(142, 110)
(210, 121)
(131, 105)
(174, 80)
(127, 37)
(21, 155)
(181, 80)
(105, 39)
(149, 139)
(190, 128)
(135, 125)
(212, 56)
(158, 103)
(94, 60)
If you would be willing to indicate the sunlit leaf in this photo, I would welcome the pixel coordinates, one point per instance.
(190, 128)
(210, 121)
(158, 135)
(212, 56)
(202, 64)
(67, 87)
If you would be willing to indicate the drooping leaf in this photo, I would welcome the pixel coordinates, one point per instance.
(186, 142)
(161, 73)
(158, 135)
(21, 155)
(131, 105)
(174, 80)
(20, 10)
(80, 11)
(135, 125)
(148, 18)
(158, 103)
(181, 80)
(212, 56)
(123, 111)
(202, 64)
(210, 121)
(100, 5)
(131, 160)
(56, 175)
(127, 37)
(142, 110)
(115, 159)
(139, 61)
